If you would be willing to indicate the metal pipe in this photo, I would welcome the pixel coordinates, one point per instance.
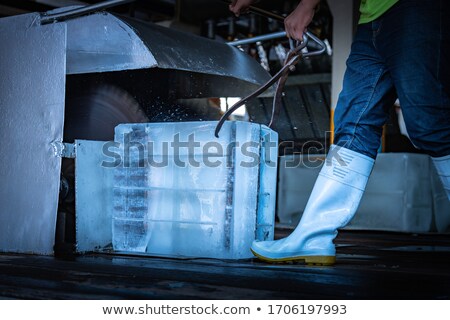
(281, 34)
(70, 14)
(263, 37)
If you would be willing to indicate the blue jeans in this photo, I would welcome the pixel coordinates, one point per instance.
(406, 54)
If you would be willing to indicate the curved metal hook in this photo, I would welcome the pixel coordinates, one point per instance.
(292, 59)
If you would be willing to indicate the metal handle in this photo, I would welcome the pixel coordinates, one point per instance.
(319, 42)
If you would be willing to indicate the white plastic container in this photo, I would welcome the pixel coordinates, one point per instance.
(180, 191)
(441, 204)
(402, 194)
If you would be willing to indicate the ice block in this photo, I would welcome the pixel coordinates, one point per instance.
(180, 191)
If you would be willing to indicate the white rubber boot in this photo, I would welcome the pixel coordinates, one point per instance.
(442, 165)
(331, 205)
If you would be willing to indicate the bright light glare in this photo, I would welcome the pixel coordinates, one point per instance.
(241, 112)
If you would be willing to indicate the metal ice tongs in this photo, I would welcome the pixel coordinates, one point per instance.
(292, 58)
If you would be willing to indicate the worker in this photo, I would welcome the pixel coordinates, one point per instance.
(401, 49)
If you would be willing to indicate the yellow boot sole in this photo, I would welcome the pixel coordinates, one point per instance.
(309, 260)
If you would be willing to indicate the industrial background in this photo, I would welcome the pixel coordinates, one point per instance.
(75, 79)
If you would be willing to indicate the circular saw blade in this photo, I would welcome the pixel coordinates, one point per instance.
(94, 113)
(91, 114)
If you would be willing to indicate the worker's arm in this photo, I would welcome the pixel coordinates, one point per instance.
(240, 6)
(295, 24)
(299, 19)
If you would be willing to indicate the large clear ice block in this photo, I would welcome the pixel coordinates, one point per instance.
(179, 191)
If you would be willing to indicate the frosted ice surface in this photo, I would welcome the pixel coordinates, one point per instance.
(198, 200)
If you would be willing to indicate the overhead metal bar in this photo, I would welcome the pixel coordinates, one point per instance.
(261, 12)
(73, 13)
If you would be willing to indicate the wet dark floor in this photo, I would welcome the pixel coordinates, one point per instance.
(371, 265)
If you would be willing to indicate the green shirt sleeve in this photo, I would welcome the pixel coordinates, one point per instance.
(372, 9)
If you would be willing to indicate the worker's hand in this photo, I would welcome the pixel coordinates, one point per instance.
(240, 6)
(297, 22)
